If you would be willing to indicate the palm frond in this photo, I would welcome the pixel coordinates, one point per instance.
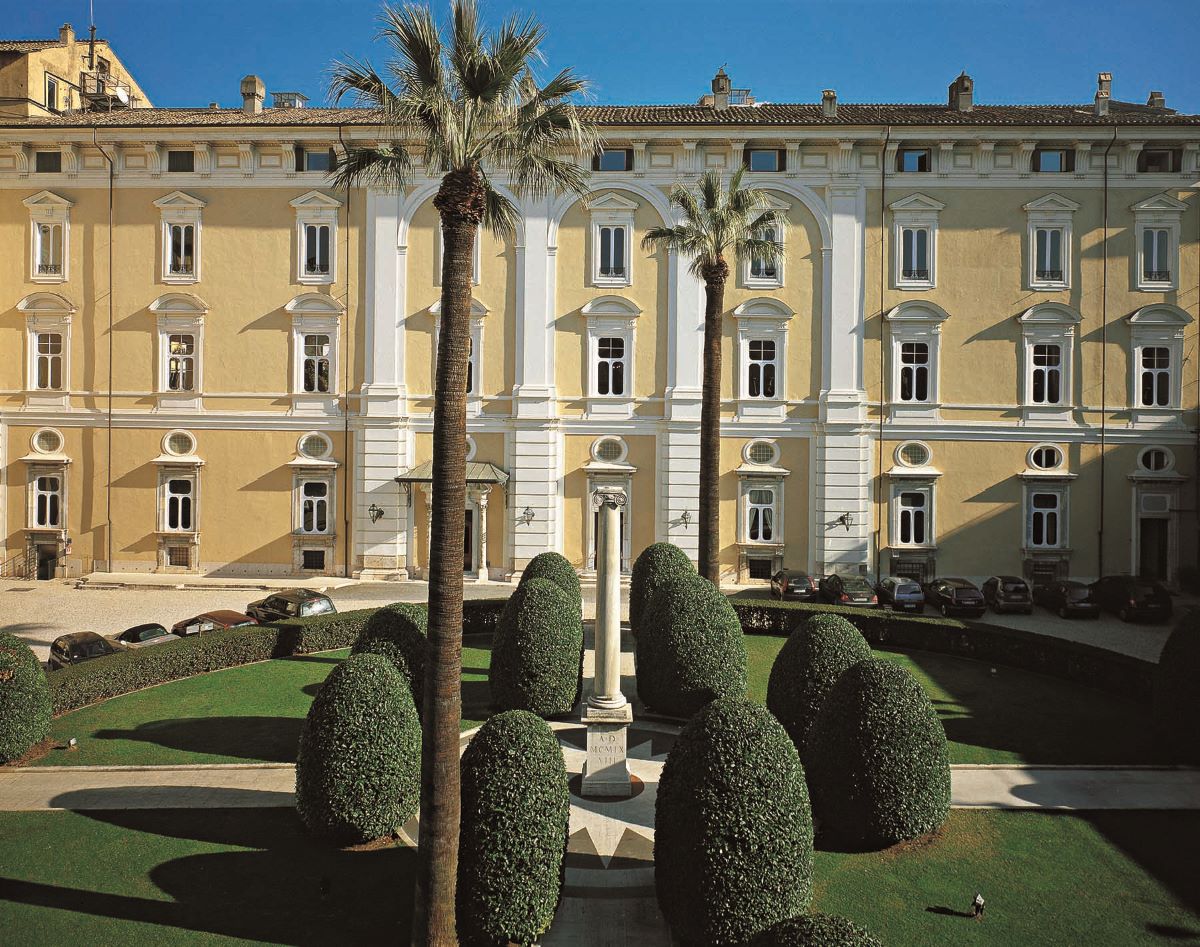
(499, 214)
(387, 165)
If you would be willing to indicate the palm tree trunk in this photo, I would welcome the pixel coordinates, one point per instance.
(460, 203)
(710, 423)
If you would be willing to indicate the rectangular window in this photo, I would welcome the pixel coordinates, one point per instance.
(1049, 265)
(314, 506)
(181, 363)
(613, 159)
(51, 93)
(180, 557)
(317, 350)
(612, 251)
(1044, 519)
(765, 159)
(181, 161)
(912, 519)
(49, 249)
(759, 268)
(48, 356)
(1158, 161)
(316, 249)
(182, 258)
(47, 501)
(1047, 373)
(913, 159)
(470, 365)
(760, 372)
(313, 559)
(610, 366)
(315, 160)
(1052, 160)
(1156, 377)
(914, 371)
(47, 162)
(915, 250)
(760, 515)
(180, 505)
(1156, 260)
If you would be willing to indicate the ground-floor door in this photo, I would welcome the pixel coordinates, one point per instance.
(47, 559)
(1153, 548)
(469, 541)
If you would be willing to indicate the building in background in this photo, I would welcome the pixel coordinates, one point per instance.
(977, 357)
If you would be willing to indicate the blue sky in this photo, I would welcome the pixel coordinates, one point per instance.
(1029, 51)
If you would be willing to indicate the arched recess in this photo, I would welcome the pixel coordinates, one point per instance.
(565, 202)
(424, 192)
(811, 201)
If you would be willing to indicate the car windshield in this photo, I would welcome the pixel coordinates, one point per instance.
(1078, 592)
(1014, 586)
(90, 649)
(149, 634)
(855, 583)
(907, 588)
(798, 580)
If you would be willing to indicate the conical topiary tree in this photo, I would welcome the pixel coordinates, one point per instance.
(397, 632)
(1176, 698)
(876, 759)
(358, 769)
(657, 563)
(810, 662)
(537, 653)
(24, 699)
(556, 568)
(733, 843)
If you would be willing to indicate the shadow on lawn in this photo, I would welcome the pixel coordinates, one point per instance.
(270, 739)
(1165, 845)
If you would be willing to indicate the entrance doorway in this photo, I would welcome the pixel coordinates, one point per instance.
(47, 560)
(468, 541)
(1153, 546)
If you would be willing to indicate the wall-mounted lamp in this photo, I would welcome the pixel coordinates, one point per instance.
(846, 519)
(527, 515)
(375, 512)
(685, 518)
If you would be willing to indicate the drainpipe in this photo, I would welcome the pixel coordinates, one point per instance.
(346, 388)
(883, 262)
(108, 525)
(1103, 363)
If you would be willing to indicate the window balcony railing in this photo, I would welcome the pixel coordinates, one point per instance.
(1157, 276)
(316, 269)
(1050, 274)
(53, 269)
(916, 274)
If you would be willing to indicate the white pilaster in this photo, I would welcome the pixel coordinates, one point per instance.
(534, 392)
(679, 487)
(685, 341)
(535, 483)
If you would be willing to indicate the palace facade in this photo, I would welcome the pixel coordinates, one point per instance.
(979, 355)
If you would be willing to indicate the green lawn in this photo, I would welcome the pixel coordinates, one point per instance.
(243, 714)
(1014, 717)
(212, 876)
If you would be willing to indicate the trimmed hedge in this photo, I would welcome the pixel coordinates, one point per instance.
(1176, 699)
(657, 563)
(537, 653)
(733, 842)
(806, 668)
(876, 759)
(514, 831)
(397, 632)
(816, 930)
(24, 699)
(358, 769)
(554, 567)
(691, 649)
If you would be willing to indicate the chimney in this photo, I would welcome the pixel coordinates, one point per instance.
(1103, 92)
(722, 85)
(1157, 100)
(829, 103)
(66, 35)
(962, 93)
(253, 91)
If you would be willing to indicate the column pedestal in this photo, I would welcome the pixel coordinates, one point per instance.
(606, 772)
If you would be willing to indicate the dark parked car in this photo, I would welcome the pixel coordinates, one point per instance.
(1132, 598)
(848, 589)
(900, 594)
(1067, 599)
(211, 621)
(293, 603)
(142, 636)
(952, 595)
(76, 648)
(792, 583)
(1008, 593)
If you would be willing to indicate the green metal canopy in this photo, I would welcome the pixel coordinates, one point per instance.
(476, 473)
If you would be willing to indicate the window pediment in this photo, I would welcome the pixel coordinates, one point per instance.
(918, 311)
(315, 201)
(179, 201)
(1159, 204)
(1160, 315)
(764, 308)
(183, 304)
(47, 202)
(1052, 204)
(47, 304)
(1054, 314)
(612, 202)
(917, 203)
(478, 309)
(314, 303)
(617, 306)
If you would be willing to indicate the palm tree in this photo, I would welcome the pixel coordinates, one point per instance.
(468, 99)
(716, 221)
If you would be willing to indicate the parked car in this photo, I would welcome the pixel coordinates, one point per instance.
(847, 589)
(142, 636)
(211, 621)
(793, 583)
(900, 594)
(292, 603)
(953, 595)
(1067, 598)
(78, 647)
(1131, 598)
(1008, 593)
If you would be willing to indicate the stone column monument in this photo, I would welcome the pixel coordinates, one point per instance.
(608, 714)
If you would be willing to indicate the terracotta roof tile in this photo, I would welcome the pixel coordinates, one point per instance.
(26, 45)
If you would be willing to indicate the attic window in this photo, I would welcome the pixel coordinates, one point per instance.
(1158, 161)
(48, 162)
(613, 159)
(1053, 160)
(320, 159)
(765, 159)
(181, 161)
(913, 159)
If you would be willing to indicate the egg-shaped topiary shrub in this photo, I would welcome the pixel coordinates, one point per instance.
(537, 652)
(514, 830)
(733, 832)
(657, 563)
(816, 930)
(24, 699)
(691, 649)
(876, 759)
(810, 662)
(397, 632)
(358, 769)
(556, 568)
(1176, 698)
